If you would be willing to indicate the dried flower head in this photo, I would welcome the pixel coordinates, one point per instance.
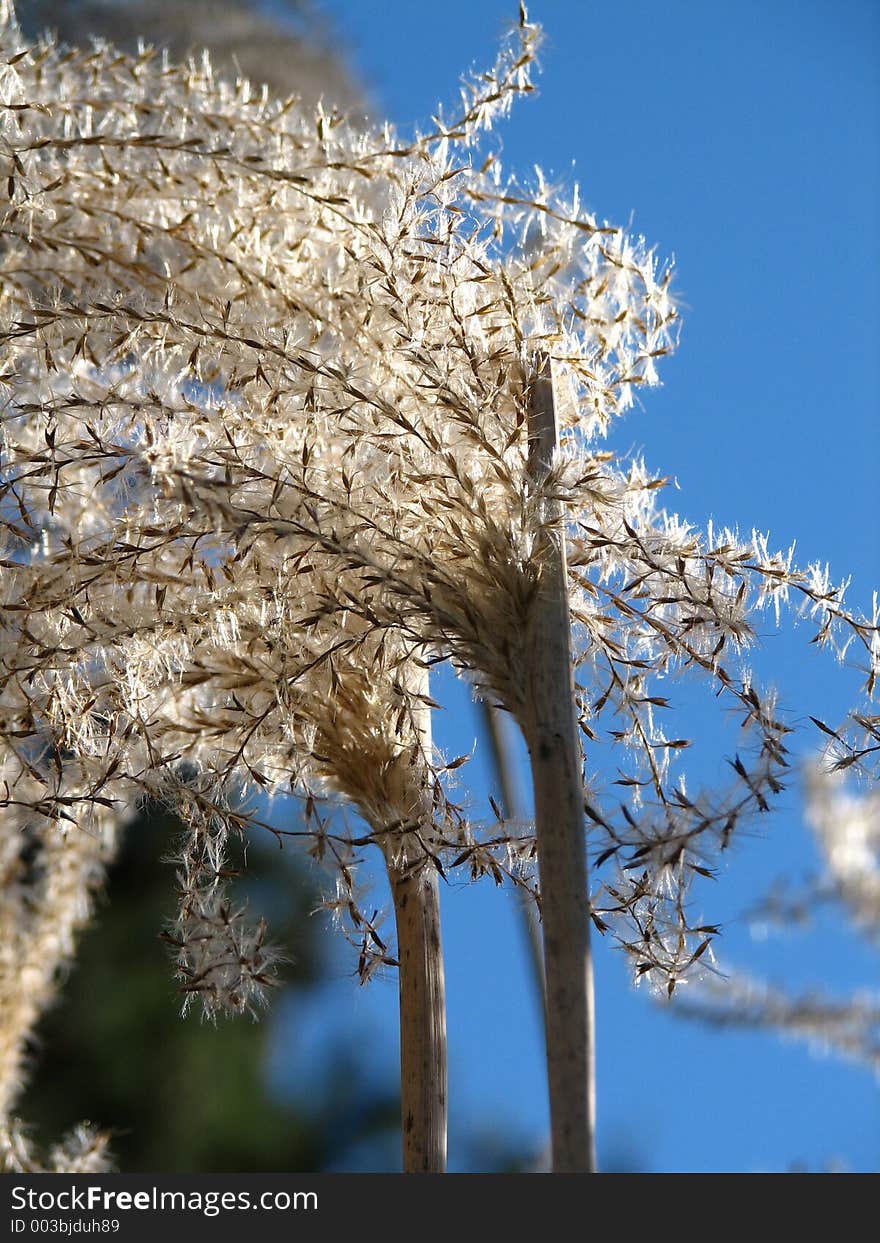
(265, 456)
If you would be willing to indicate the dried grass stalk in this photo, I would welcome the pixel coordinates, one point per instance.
(554, 751)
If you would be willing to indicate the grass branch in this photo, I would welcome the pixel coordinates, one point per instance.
(554, 752)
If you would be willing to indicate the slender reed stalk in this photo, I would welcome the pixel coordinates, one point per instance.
(526, 908)
(414, 882)
(422, 1017)
(554, 752)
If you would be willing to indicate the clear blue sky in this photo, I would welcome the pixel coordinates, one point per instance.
(742, 139)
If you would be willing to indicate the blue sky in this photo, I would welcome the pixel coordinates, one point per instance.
(742, 139)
